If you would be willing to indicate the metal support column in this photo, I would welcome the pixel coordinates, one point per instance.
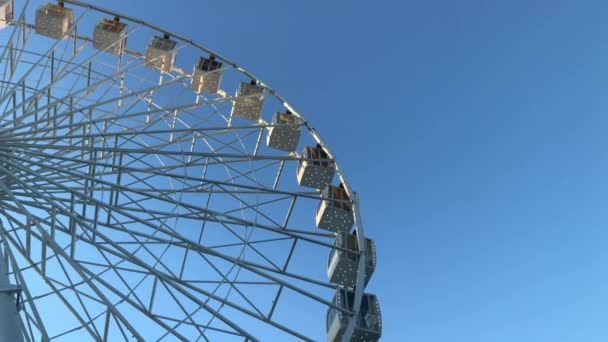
(10, 327)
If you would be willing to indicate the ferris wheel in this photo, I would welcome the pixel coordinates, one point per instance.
(152, 189)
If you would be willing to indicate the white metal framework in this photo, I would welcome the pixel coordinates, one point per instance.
(148, 191)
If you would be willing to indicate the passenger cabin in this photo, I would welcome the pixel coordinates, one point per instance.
(6, 13)
(54, 21)
(315, 169)
(335, 211)
(207, 75)
(284, 134)
(161, 53)
(249, 101)
(368, 326)
(342, 264)
(110, 35)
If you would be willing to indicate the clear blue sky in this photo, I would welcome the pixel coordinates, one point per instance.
(475, 134)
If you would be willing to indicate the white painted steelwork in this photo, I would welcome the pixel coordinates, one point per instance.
(136, 208)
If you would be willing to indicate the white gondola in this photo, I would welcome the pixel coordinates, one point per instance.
(316, 169)
(368, 326)
(54, 21)
(284, 134)
(161, 53)
(110, 35)
(335, 211)
(342, 264)
(249, 101)
(6, 13)
(207, 75)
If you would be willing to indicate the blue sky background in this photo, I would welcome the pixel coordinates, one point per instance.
(474, 132)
